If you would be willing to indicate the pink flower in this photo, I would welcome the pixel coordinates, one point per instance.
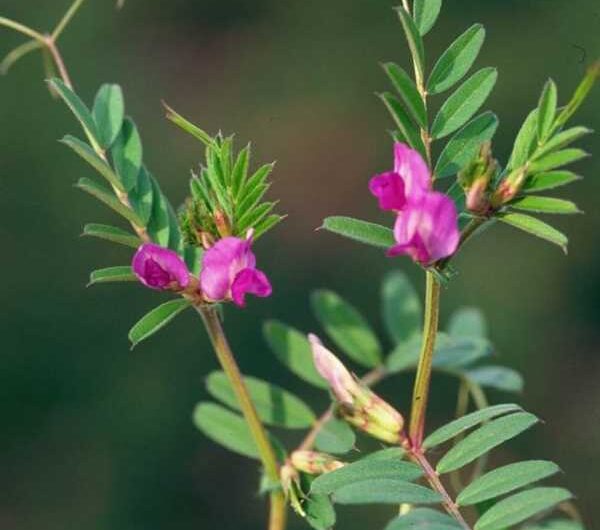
(229, 272)
(409, 180)
(427, 229)
(160, 268)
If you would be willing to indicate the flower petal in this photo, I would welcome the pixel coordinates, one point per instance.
(250, 281)
(409, 164)
(427, 230)
(389, 189)
(160, 268)
(221, 263)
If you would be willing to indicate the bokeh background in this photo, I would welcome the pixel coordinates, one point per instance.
(94, 436)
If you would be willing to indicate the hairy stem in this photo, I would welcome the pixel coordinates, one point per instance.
(423, 377)
(434, 481)
(265, 448)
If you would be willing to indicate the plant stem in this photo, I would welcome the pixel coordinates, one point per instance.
(66, 19)
(21, 28)
(225, 356)
(423, 377)
(434, 481)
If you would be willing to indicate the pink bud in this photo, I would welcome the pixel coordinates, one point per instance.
(342, 383)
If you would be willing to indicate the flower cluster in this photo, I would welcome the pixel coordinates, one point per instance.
(228, 271)
(426, 227)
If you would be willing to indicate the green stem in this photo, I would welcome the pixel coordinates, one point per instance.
(66, 19)
(423, 377)
(265, 448)
(21, 28)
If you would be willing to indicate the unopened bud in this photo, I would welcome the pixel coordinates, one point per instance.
(476, 177)
(342, 383)
(510, 187)
(222, 223)
(314, 463)
(206, 239)
(360, 406)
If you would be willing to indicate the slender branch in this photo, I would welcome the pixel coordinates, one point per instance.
(19, 52)
(22, 28)
(423, 377)
(434, 481)
(59, 62)
(225, 356)
(66, 19)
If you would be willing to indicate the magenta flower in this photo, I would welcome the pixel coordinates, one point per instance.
(160, 268)
(409, 180)
(229, 272)
(427, 229)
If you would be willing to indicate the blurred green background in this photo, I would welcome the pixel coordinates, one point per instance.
(94, 436)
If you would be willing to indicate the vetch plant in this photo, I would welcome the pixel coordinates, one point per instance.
(202, 255)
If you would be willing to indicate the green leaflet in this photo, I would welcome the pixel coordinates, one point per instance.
(159, 223)
(505, 480)
(361, 231)
(498, 377)
(415, 42)
(424, 519)
(225, 428)
(319, 512)
(549, 181)
(112, 274)
(468, 322)
(390, 467)
(347, 328)
(464, 146)
(335, 437)
(556, 524)
(112, 233)
(108, 112)
(274, 405)
(520, 507)
(425, 13)
(525, 143)
(557, 159)
(107, 197)
(547, 110)
(156, 319)
(401, 309)
(141, 197)
(77, 107)
(409, 93)
(484, 439)
(457, 60)
(408, 130)
(560, 140)
(90, 156)
(464, 103)
(385, 491)
(293, 350)
(549, 205)
(458, 426)
(535, 227)
(126, 154)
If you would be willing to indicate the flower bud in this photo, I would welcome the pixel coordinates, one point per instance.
(342, 383)
(160, 268)
(359, 405)
(222, 223)
(314, 463)
(476, 178)
(510, 186)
